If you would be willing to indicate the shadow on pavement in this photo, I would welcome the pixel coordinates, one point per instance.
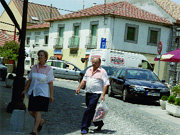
(140, 101)
(103, 131)
(65, 113)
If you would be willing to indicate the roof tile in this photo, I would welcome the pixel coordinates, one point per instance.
(170, 7)
(121, 9)
(40, 11)
(39, 26)
(4, 37)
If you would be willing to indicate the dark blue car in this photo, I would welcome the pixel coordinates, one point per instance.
(137, 82)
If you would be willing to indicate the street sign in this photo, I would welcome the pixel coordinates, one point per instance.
(159, 47)
(103, 43)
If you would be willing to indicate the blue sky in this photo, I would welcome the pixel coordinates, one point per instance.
(73, 5)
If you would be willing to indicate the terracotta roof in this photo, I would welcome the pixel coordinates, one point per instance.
(170, 7)
(38, 11)
(121, 9)
(39, 26)
(4, 37)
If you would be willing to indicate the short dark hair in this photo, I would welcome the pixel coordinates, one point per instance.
(45, 53)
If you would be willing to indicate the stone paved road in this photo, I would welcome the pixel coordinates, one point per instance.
(64, 116)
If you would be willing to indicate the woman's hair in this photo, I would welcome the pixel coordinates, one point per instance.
(43, 51)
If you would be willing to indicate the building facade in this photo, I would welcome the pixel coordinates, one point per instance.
(171, 11)
(37, 38)
(134, 30)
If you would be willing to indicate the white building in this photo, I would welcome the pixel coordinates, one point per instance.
(124, 26)
(121, 25)
(37, 38)
(171, 11)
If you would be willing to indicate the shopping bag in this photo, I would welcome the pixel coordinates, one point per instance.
(101, 112)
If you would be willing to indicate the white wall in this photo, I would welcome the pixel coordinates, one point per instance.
(113, 30)
(84, 31)
(41, 40)
(118, 30)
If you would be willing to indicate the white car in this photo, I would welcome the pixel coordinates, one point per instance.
(65, 70)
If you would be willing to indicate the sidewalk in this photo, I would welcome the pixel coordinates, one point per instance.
(5, 98)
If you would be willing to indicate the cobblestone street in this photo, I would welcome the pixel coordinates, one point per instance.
(65, 114)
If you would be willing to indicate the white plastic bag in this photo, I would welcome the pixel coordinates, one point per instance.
(101, 112)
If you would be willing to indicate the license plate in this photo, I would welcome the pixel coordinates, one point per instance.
(153, 94)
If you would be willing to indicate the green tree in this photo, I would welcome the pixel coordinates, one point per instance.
(10, 50)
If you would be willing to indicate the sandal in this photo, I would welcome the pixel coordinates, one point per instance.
(40, 126)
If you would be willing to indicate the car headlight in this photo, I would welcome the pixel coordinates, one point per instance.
(137, 87)
(164, 89)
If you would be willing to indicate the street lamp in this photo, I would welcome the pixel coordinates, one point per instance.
(19, 81)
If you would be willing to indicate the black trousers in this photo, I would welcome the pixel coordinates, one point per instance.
(91, 103)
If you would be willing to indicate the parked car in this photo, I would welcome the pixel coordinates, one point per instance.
(110, 71)
(3, 70)
(137, 82)
(65, 70)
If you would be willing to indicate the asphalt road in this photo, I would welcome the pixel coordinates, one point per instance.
(135, 118)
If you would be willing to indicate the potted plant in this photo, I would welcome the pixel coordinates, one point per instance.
(176, 90)
(173, 106)
(163, 101)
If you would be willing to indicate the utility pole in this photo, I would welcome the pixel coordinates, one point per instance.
(104, 12)
(83, 4)
(51, 12)
(19, 81)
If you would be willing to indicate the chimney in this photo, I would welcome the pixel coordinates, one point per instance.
(94, 4)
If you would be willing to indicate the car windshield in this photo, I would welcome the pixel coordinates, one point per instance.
(141, 75)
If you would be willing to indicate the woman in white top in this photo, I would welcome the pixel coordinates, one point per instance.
(40, 90)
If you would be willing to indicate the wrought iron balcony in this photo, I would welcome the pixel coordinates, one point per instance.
(74, 42)
(58, 43)
(91, 42)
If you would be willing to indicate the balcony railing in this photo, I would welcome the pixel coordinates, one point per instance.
(58, 43)
(74, 42)
(91, 42)
(27, 45)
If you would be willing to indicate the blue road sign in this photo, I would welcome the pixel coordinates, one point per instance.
(103, 43)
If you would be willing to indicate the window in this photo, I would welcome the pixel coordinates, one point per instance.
(131, 33)
(76, 30)
(37, 40)
(46, 37)
(76, 35)
(28, 41)
(94, 35)
(34, 18)
(153, 36)
(61, 32)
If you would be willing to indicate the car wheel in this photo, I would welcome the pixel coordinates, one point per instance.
(3, 78)
(125, 95)
(110, 93)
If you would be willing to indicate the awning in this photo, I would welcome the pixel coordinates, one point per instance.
(59, 56)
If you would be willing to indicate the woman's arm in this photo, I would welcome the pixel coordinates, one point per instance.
(51, 88)
(27, 86)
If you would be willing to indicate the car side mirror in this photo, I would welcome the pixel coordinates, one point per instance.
(163, 81)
